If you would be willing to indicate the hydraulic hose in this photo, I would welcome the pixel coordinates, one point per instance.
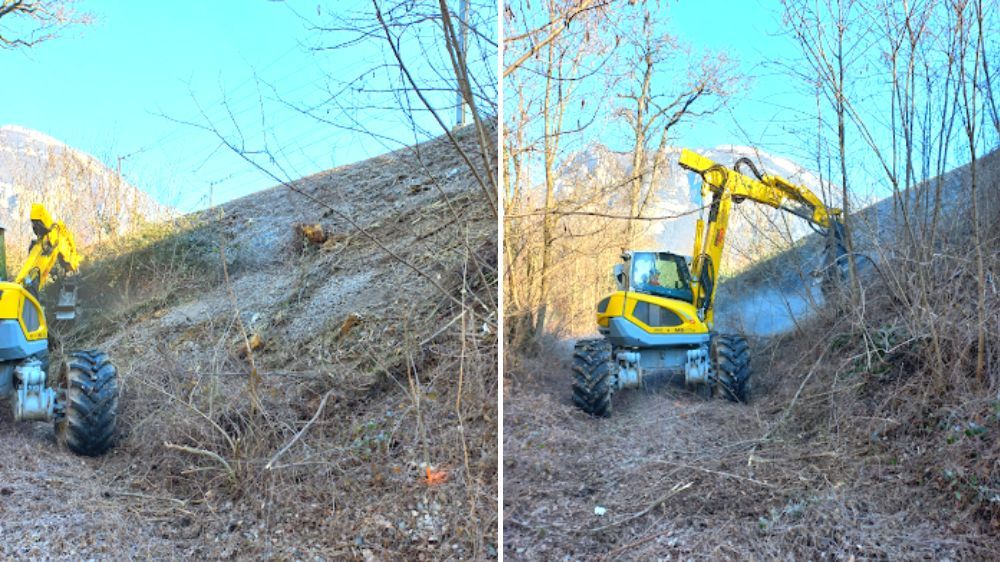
(748, 162)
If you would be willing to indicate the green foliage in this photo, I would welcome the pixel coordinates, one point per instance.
(967, 488)
(790, 512)
(955, 430)
(995, 408)
(372, 438)
(882, 349)
(841, 341)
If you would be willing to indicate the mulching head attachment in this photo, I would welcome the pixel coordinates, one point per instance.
(65, 310)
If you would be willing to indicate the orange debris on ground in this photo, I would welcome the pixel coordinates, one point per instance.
(435, 477)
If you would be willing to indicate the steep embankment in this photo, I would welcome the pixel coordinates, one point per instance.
(306, 373)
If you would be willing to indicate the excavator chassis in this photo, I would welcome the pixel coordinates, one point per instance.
(673, 354)
(707, 362)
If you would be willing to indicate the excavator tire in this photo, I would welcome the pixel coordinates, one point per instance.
(593, 370)
(89, 419)
(732, 354)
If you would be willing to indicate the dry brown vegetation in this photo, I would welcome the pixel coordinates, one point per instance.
(869, 436)
(569, 66)
(288, 399)
(873, 429)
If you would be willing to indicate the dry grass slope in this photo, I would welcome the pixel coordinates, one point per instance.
(289, 386)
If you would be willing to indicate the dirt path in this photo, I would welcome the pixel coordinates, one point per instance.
(680, 478)
(55, 505)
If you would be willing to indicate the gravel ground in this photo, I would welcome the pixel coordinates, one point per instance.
(55, 505)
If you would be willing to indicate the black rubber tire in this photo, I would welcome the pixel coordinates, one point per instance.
(89, 396)
(732, 367)
(593, 371)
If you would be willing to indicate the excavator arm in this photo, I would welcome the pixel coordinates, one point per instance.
(53, 245)
(727, 186)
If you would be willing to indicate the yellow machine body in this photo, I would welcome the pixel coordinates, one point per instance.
(23, 326)
(661, 318)
(81, 396)
(18, 304)
(54, 244)
(722, 187)
(623, 304)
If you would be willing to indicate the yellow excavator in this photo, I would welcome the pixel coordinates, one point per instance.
(83, 402)
(661, 318)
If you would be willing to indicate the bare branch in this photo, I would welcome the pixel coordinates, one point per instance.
(26, 23)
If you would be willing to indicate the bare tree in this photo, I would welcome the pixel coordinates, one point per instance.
(969, 29)
(652, 111)
(831, 42)
(26, 23)
(547, 82)
(932, 89)
(561, 15)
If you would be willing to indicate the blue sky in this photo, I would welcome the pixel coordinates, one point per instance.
(772, 110)
(105, 88)
(750, 31)
(767, 111)
(777, 112)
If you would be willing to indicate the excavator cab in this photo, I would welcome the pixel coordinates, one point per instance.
(662, 274)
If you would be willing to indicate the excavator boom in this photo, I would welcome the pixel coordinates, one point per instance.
(727, 186)
(53, 244)
(773, 191)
